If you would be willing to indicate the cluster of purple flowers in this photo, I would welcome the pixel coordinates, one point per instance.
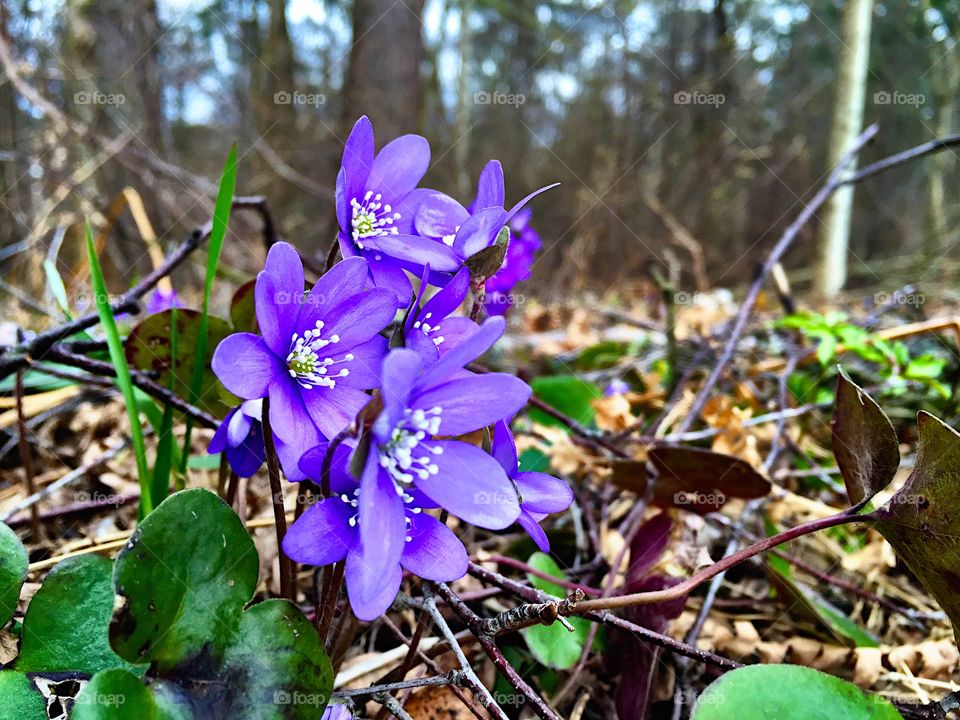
(322, 357)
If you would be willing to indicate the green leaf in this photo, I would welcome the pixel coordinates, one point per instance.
(568, 394)
(277, 666)
(920, 520)
(788, 692)
(116, 695)
(123, 371)
(165, 445)
(67, 622)
(554, 645)
(19, 699)
(802, 599)
(150, 347)
(183, 603)
(221, 218)
(13, 571)
(864, 442)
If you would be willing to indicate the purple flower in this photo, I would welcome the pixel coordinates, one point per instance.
(336, 712)
(524, 245)
(540, 494)
(330, 531)
(468, 231)
(240, 436)
(431, 330)
(316, 353)
(617, 386)
(423, 401)
(160, 300)
(377, 198)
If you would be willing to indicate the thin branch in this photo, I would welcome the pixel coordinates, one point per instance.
(276, 494)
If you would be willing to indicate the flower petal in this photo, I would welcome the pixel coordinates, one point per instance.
(357, 158)
(347, 277)
(533, 529)
(449, 298)
(383, 525)
(480, 231)
(504, 448)
(239, 428)
(470, 484)
(245, 365)
(416, 250)
(322, 535)
(408, 208)
(289, 453)
(341, 481)
(469, 349)
(277, 312)
(366, 364)
(288, 414)
(473, 402)
(219, 440)
(433, 551)
(357, 318)
(542, 493)
(439, 215)
(398, 167)
(516, 208)
(490, 186)
(333, 409)
(386, 273)
(370, 595)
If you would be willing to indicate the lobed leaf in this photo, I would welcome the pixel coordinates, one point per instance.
(864, 442)
(13, 571)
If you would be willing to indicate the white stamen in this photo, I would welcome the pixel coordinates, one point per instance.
(371, 218)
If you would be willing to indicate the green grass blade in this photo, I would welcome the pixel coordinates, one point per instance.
(119, 360)
(221, 217)
(57, 289)
(165, 446)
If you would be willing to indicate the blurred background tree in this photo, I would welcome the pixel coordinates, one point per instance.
(665, 120)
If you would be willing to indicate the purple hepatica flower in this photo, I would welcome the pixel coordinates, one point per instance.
(524, 245)
(431, 330)
(468, 231)
(540, 494)
(316, 353)
(617, 386)
(336, 712)
(240, 436)
(330, 530)
(422, 401)
(160, 301)
(377, 198)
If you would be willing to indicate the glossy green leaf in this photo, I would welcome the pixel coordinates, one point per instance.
(116, 695)
(67, 622)
(19, 699)
(920, 520)
(864, 442)
(277, 665)
(788, 692)
(568, 394)
(149, 346)
(119, 361)
(13, 571)
(186, 574)
(554, 645)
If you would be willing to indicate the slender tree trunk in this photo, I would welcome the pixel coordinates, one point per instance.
(384, 76)
(834, 236)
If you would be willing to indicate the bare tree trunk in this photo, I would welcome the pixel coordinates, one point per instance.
(834, 235)
(384, 76)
